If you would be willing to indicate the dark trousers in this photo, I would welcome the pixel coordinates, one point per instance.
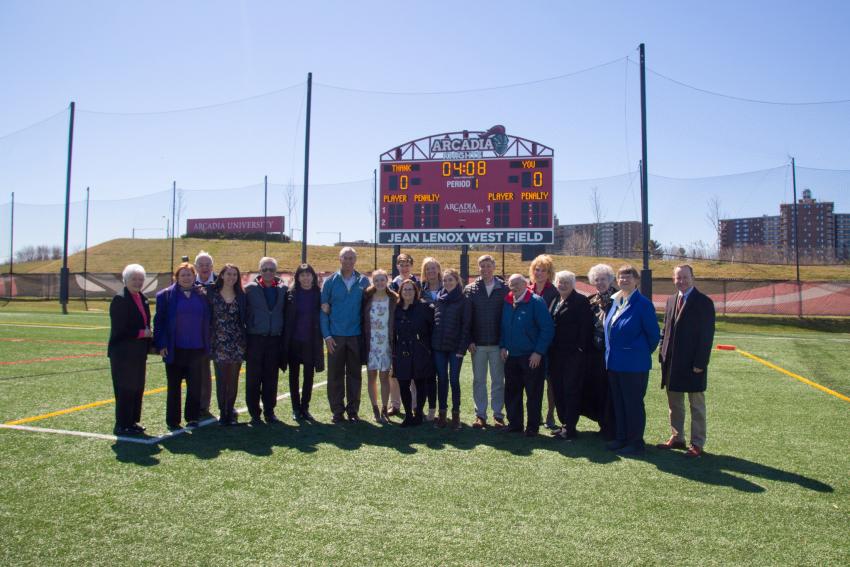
(261, 369)
(206, 385)
(344, 376)
(627, 392)
(519, 377)
(226, 387)
(596, 395)
(128, 382)
(186, 366)
(407, 397)
(301, 355)
(448, 371)
(430, 390)
(567, 378)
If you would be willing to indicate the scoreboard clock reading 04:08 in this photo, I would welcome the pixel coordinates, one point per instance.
(472, 195)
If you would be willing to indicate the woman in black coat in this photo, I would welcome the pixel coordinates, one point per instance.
(302, 339)
(411, 348)
(129, 342)
(568, 351)
(449, 341)
(596, 395)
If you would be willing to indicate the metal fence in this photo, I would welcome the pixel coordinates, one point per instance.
(764, 297)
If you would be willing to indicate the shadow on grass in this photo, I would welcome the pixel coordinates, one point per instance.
(210, 442)
(142, 455)
(729, 471)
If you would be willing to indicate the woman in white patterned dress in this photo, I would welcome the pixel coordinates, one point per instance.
(378, 314)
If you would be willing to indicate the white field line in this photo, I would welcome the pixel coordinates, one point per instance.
(139, 440)
(63, 327)
(782, 337)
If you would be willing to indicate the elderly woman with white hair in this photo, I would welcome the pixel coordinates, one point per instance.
(129, 343)
(573, 321)
(596, 399)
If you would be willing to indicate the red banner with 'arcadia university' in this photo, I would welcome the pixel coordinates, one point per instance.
(235, 225)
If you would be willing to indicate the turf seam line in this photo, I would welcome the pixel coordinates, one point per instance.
(795, 376)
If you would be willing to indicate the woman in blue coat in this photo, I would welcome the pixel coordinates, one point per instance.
(631, 335)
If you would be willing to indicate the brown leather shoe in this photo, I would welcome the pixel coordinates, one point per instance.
(455, 419)
(498, 422)
(441, 419)
(672, 443)
(479, 423)
(694, 452)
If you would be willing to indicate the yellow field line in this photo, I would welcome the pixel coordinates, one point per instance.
(96, 404)
(75, 409)
(795, 376)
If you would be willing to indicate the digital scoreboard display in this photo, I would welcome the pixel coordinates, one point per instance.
(469, 197)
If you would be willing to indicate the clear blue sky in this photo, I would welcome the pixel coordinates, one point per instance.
(143, 57)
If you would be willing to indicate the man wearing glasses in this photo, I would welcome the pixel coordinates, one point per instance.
(266, 297)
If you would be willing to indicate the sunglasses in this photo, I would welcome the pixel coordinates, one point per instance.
(268, 269)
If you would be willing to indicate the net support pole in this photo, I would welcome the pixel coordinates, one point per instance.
(12, 242)
(265, 215)
(64, 275)
(646, 273)
(375, 236)
(796, 238)
(464, 265)
(173, 213)
(86, 254)
(306, 169)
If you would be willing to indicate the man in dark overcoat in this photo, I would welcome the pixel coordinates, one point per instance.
(685, 350)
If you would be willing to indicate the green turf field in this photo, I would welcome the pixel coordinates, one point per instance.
(774, 488)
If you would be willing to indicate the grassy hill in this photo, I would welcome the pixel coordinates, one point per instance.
(155, 256)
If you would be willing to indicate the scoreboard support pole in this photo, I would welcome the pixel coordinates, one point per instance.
(396, 252)
(646, 272)
(464, 264)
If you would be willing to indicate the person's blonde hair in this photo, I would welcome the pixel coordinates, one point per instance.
(543, 261)
(431, 260)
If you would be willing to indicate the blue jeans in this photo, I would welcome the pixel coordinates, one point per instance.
(448, 370)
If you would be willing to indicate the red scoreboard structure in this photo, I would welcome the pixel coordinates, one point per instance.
(469, 187)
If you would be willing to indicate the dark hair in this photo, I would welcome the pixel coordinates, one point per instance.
(219, 281)
(415, 291)
(185, 266)
(629, 269)
(404, 258)
(296, 284)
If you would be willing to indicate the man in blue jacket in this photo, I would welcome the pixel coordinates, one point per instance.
(527, 330)
(342, 296)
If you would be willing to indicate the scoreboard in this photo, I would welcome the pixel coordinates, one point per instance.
(469, 194)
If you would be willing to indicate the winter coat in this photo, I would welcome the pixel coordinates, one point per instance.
(452, 322)
(686, 343)
(527, 327)
(264, 320)
(411, 342)
(486, 311)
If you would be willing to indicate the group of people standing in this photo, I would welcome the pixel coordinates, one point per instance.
(592, 355)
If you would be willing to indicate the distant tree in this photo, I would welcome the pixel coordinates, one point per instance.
(290, 201)
(597, 213)
(713, 216)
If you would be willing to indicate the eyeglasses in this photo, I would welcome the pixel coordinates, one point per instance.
(268, 269)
